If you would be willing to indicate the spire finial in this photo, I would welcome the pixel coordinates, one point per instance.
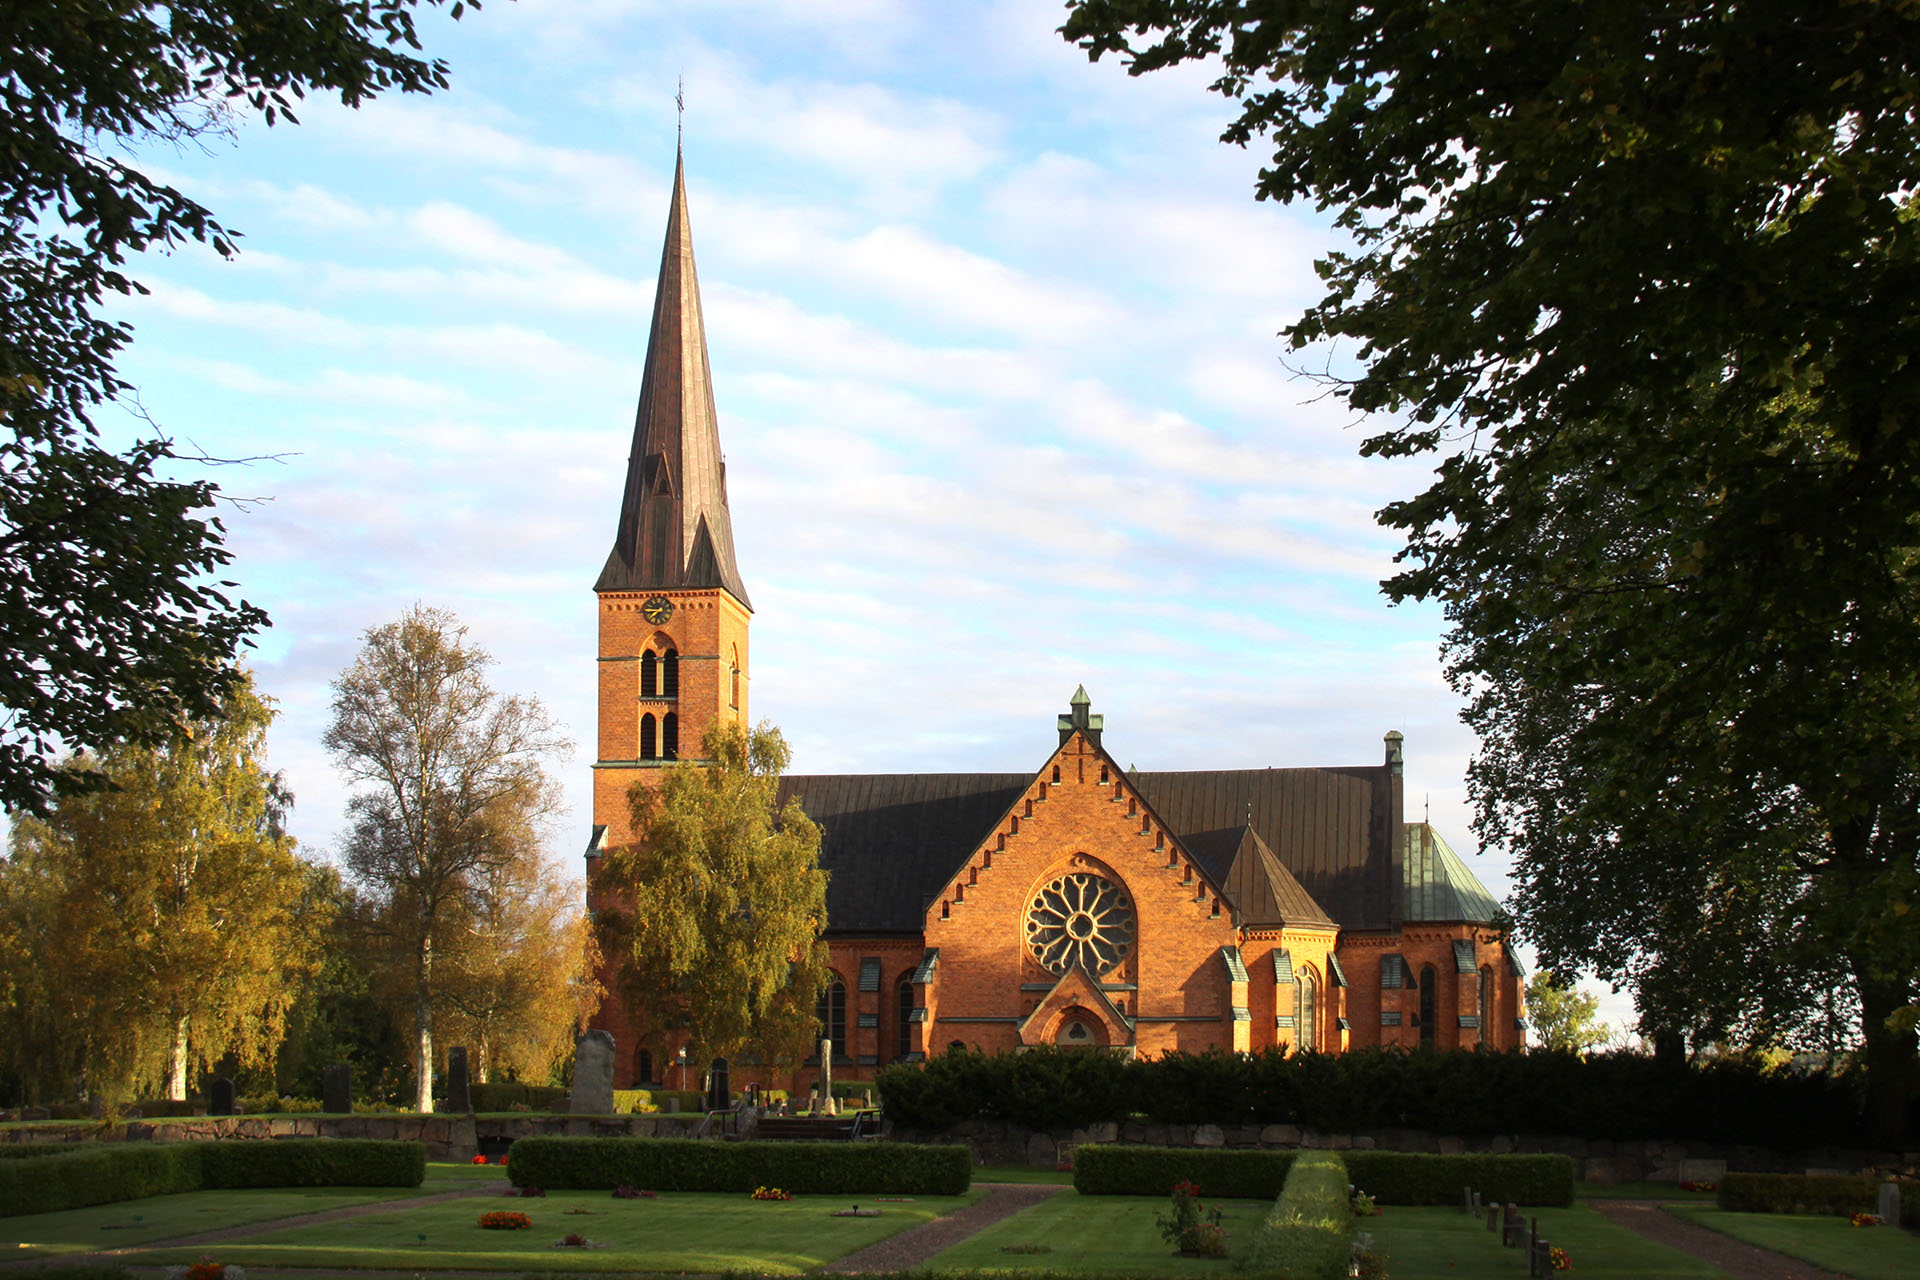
(680, 111)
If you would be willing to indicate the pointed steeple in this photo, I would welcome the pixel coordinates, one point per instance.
(674, 528)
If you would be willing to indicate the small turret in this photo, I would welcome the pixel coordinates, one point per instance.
(1078, 718)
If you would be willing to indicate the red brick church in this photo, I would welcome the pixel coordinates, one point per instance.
(1073, 902)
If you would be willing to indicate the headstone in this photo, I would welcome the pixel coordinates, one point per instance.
(220, 1097)
(1493, 1217)
(336, 1089)
(1466, 1199)
(719, 1087)
(1510, 1224)
(673, 1105)
(459, 1095)
(826, 1078)
(1890, 1203)
(592, 1093)
(1540, 1260)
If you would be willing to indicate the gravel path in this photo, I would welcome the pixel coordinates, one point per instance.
(1740, 1260)
(910, 1249)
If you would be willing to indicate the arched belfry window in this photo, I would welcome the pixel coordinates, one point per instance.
(831, 1010)
(904, 1036)
(670, 674)
(1306, 1009)
(648, 749)
(1429, 1006)
(736, 678)
(670, 736)
(649, 675)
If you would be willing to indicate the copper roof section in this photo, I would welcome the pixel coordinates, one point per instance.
(674, 528)
(1440, 888)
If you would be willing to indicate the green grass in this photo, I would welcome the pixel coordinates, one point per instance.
(1095, 1235)
(678, 1232)
(1640, 1191)
(1021, 1173)
(1833, 1243)
(137, 1222)
(1116, 1235)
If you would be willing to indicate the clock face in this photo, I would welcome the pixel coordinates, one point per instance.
(656, 609)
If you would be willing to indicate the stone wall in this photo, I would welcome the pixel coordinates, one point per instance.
(1595, 1160)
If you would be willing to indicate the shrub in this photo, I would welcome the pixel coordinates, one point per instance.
(502, 1095)
(153, 1108)
(1308, 1236)
(1798, 1193)
(91, 1174)
(1403, 1177)
(1104, 1169)
(679, 1164)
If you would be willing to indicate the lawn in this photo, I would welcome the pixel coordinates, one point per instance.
(1833, 1243)
(1116, 1235)
(678, 1232)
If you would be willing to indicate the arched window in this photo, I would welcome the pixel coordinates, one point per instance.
(648, 750)
(670, 674)
(904, 1037)
(736, 678)
(643, 1067)
(1486, 1004)
(1429, 1006)
(956, 1046)
(831, 1010)
(1306, 1008)
(670, 736)
(649, 675)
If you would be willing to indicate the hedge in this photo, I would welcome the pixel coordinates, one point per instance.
(1309, 1234)
(1612, 1096)
(682, 1164)
(1411, 1178)
(503, 1095)
(1105, 1169)
(1814, 1193)
(88, 1174)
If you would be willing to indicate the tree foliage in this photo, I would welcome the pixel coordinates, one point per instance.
(168, 920)
(109, 609)
(1564, 1019)
(1646, 277)
(714, 912)
(451, 785)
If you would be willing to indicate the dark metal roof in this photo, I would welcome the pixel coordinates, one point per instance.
(891, 840)
(674, 528)
(1438, 886)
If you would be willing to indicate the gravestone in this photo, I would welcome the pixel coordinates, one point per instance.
(336, 1089)
(459, 1095)
(592, 1093)
(1890, 1203)
(220, 1097)
(826, 1078)
(719, 1087)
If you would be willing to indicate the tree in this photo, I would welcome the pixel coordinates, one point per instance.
(1565, 1019)
(716, 908)
(109, 604)
(1644, 274)
(452, 775)
(171, 918)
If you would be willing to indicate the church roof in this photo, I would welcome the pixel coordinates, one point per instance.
(1438, 885)
(674, 528)
(1262, 889)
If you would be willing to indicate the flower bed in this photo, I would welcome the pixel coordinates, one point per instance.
(771, 1193)
(505, 1220)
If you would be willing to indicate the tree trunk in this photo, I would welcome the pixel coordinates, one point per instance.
(423, 1027)
(1890, 1057)
(177, 1061)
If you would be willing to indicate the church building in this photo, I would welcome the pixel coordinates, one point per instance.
(1070, 902)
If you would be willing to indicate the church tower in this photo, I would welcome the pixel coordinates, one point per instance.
(673, 611)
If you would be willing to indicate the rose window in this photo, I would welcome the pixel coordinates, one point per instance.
(1080, 918)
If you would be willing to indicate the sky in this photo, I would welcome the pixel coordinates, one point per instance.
(994, 338)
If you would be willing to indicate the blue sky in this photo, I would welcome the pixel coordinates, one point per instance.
(993, 333)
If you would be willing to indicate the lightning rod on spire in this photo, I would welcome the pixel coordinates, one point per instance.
(680, 111)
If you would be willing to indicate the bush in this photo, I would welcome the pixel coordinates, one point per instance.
(502, 1095)
(1308, 1236)
(151, 1108)
(1800, 1193)
(1104, 1169)
(1400, 1177)
(678, 1164)
(1613, 1096)
(88, 1174)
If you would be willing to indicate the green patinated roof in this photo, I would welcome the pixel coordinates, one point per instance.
(1437, 885)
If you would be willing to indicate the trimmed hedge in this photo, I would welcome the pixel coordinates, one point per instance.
(91, 1173)
(681, 1164)
(1309, 1234)
(501, 1096)
(1105, 1169)
(1817, 1193)
(1614, 1096)
(1406, 1177)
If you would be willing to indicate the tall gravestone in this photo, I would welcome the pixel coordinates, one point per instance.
(336, 1089)
(592, 1093)
(220, 1097)
(719, 1086)
(826, 1077)
(459, 1095)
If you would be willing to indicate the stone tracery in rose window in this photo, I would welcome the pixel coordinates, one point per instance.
(1080, 917)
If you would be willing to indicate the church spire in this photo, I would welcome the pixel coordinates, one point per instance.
(674, 529)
